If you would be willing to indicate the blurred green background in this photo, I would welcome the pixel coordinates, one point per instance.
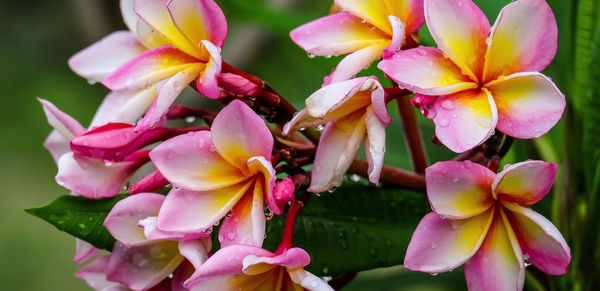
(39, 37)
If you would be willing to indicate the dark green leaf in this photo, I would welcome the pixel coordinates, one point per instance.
(81, 217)
(356, 228)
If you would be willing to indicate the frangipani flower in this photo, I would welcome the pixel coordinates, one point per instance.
(484, 82)
(252, 268)
(478, 220)
(215, 172)
(351, 111)
(144, 255)
(177, 41)
(364, 29)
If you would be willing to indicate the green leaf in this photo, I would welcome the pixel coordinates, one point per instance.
(81, 217)
(591, 114)
(358, 227)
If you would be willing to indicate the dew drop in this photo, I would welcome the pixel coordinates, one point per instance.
(432, 245)
(434, 274)
(448, 105)
(444, 122)
(320, 127)
(190, 119)
(231, 235)
(363, 21)
(354, 178)
(311, 55)
(229, 214)
(268, 213)
(422, 52)
(208, 230)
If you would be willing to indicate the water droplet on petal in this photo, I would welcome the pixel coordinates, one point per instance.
(311, 55)
(231, 235)
(448, 105)
(444, 122)
(190, 119)
(229, 214)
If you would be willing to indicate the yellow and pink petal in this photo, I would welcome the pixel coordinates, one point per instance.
(199, 20)
(459, 190)
(207, 83)
(529, 104)
(440, 245)
(540, 240)
(464, 120)
(246, 225)
(525, 183)
(523, 39)
(374, 145)
(411, 13)
(122, 220)
(426, 70)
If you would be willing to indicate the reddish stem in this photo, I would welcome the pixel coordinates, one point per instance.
(391, 175)
(412, 135)
(290, 220)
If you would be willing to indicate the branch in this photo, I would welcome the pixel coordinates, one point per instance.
(412, 135)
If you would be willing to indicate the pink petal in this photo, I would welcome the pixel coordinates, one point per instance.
(459, 190)
(191, 161)
(93, 178)
(57, 145)
(102, 58)
(149, 68)
(440, 245)
(167, 94)
(122, 220)
(239, 134)
(124, 106)
(237, 84)
(427, 71)
(266, 174)
(64, 124)
(340, 99)
(152, 182)
(525, 183)
(409, 11)
(338, 146)
(194, 211)
(460, 30)
(308, 281)
(142, 267)
(353, 63)
(374, 145)
(94, 274)
(207, 83)
(157, 15)
(153, 233)
(464, 120)
(196, 251)
(199, 20)
(139, 27)
(529, 104)
(182, 273)
(225, 262)
(337, 34)
(398, 37)
(282, 194)
(523, 39)
(498, 265)
(540, 240)
(246, 225)
(84, 251)
(292, 258)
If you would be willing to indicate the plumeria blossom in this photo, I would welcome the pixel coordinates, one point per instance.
(364, 30)
(478, 219)
(170, 43)
(240, 267)
(485, 77)
(351, 111)
(225, 170)
(145, 255)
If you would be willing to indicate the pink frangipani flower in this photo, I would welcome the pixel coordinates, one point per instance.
(478, 220)
(365, 30)
(351, 111)
(225, 170)
(177, 41)
(144, 255)
(239, 267)
(485, 77)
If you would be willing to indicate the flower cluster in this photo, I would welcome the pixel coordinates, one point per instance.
(236, 171)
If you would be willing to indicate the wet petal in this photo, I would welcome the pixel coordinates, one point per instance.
(374, 12)
(523, 39)
(122, 220)
(292, 258)
(374, 145)
(525, 183)
(337, 148)
(398, 37)
(57, 145)
(409, 11)
(540, 240)
(199, 20)
(497, 265)
(425, 70)
(529, 104)
(459, 190)
(340, 99)
(63, 123)
(84, 251)
(142, 267)
(207, 83)
(337, 34)
(308, 281)
(157, 15)
(464, 120)
(460, 30)
(353, 63)
(196, 251)
(94, 274)
(124, 106)
(139, 27)
(167, 94)
(239, 134)
(102, 58)
(195, 211)
(440, 245)
(246, 225)
(192, 162)
(149, 68)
